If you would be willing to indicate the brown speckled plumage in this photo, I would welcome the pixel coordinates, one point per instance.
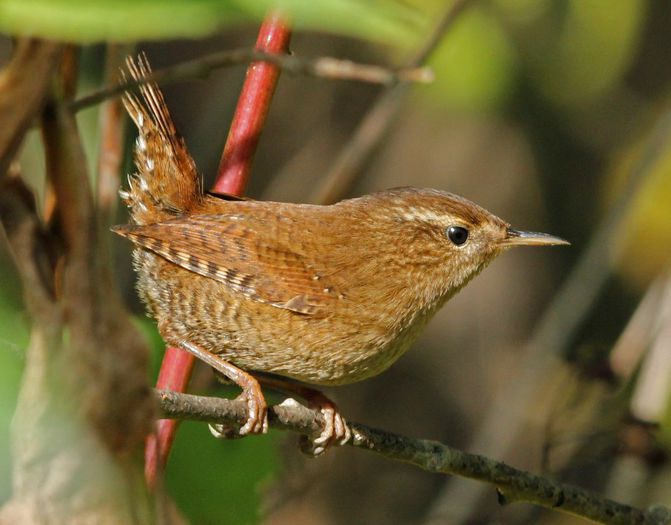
(297, 290)
(322, 294)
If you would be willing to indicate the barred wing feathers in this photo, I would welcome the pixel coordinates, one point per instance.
(247, 259)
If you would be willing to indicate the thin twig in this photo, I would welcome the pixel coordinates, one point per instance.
(640, 331)
(376, 123)
(322, 67)
(512, 485)
(66, 171)
(29, 246)
(110, 124)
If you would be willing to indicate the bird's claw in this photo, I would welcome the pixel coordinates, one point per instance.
(336, 432)
(257, 411)
(257, 416)
(223, 431)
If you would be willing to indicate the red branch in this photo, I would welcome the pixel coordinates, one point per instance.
(253, 105)
(234, 169)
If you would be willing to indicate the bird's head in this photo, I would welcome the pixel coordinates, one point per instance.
(444, 238)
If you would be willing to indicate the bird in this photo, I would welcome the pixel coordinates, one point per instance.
(288, 294)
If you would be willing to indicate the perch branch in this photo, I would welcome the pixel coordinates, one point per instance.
(512, 485)
(321, 67)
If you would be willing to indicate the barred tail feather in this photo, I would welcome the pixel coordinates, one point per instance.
(166, 183)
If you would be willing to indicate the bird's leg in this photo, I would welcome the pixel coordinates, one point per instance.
(335, 432)
(257, 410)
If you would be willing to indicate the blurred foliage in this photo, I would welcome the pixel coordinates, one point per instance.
(645, 240)
(13, 341)
(582, 47)
(573, 51)
(664, 434)
(123, 20)
(219, 482)
(475, 65)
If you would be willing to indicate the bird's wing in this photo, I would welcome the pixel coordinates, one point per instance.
(240, 252)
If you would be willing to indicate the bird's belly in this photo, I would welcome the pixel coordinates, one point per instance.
(255, 336)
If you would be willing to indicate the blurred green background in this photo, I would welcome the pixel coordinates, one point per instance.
(542, 111)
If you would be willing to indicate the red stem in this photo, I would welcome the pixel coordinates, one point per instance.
(234, 169)
(253, 106)
(174, 375)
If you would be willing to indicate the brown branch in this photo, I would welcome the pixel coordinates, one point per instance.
(512, 485)
(102, 339)
(321, 67)
(23, 87)
(30, 246)
(370, 132)
(111, 132)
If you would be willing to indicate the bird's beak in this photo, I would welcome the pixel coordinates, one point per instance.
(521, 238)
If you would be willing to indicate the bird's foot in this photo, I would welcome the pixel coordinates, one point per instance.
(257, 409)
(257, 415)
(336, 432)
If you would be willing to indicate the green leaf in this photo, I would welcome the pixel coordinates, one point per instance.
(86, 21)
(587, 50)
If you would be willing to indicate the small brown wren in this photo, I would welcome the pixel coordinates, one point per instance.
(324, 295)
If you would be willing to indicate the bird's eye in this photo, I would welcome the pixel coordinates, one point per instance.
(457, 235)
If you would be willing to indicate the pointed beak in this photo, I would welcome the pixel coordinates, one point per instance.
(522, 238)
